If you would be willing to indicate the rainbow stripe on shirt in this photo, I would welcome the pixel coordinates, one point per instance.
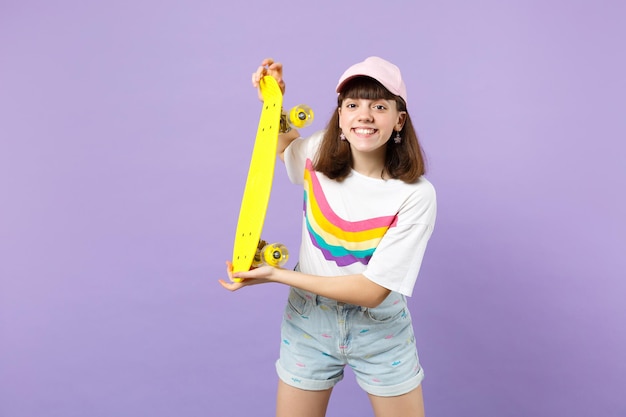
(340, 240)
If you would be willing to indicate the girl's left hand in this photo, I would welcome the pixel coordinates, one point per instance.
(255, 276)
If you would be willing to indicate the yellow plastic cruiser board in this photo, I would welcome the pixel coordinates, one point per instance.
(258, 187)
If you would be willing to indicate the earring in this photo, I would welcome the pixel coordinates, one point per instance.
(397, 139)
(342, 136)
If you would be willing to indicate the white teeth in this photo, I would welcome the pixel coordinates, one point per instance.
(365, 131)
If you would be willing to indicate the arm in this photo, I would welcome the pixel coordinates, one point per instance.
(352, 289)
(284, 139)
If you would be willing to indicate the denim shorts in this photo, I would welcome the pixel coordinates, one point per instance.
(321, 336)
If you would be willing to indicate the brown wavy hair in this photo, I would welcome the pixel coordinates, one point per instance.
(404, 161)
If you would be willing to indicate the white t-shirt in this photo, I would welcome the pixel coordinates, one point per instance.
(362, 225)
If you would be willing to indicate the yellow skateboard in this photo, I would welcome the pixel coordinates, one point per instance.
(249, 250)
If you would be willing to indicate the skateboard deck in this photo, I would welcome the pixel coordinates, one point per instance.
(258, 186)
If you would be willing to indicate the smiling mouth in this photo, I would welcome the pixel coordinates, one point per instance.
(364, 131)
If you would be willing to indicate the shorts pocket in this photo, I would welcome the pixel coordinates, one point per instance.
(387, 312)
(297, 302)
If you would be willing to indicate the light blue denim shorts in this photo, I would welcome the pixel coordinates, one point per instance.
(321, 336)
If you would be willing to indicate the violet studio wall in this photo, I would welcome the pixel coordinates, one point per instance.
(125, 133)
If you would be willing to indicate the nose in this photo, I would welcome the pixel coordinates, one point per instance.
(365, 114)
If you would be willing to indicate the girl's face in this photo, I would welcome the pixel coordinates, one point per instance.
(369, 124)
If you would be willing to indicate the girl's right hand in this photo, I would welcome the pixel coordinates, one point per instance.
(253, 277)
(268, 67)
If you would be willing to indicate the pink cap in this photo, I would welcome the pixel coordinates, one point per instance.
(382, 71)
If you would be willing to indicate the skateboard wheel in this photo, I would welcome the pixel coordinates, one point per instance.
(301, 116)
(275, 254)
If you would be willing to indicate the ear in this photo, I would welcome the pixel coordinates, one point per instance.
(401, 120)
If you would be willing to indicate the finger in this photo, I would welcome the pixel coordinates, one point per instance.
(276, 71)
(243, 274)
(267, 62)
(230, 286)
(257, 75)
(255, 274)
(276, 66)
(229, 269)
(262, 70)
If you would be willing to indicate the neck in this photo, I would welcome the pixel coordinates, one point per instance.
(370, 165)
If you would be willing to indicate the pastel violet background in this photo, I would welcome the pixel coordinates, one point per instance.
(125, 132)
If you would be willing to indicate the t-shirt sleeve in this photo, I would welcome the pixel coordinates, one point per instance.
(297, 153)
(397, 259)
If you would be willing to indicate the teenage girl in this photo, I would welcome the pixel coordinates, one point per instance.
(368, 214)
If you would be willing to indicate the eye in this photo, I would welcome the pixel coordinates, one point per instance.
(380, 107)
(350, 105)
